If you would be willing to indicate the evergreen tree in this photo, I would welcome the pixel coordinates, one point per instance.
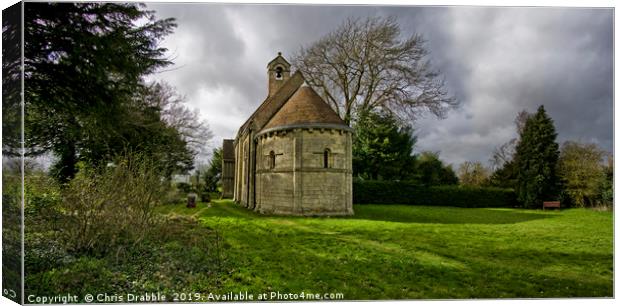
(213, 174)
(431, 171)
(505, 174)
(382, 149)
(83, 64)
(536, 160)
(505, 177)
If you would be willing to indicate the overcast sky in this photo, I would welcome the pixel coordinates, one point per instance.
(496, 62)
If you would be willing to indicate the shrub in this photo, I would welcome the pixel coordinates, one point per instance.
(391, 192)
(11, 229)
(184, 187)
(84, 275)
(607, 193)
(173, 196)
(111, 207)
(177, 254)
(42, 198)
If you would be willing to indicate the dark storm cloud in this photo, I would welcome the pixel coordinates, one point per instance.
(511, 59)
(496, 61)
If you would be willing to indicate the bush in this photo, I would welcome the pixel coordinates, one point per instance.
(391, 192)
(178, 254)
(111, 207)
(11, 229)
(173, 196)
(42, 199)
(184, 187)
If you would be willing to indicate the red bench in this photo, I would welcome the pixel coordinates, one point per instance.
(551, 204)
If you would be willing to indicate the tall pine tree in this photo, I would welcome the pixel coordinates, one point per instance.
(536, 160)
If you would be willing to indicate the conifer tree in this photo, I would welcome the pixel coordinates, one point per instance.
(382, 149)
(536, 160)
(84, 64)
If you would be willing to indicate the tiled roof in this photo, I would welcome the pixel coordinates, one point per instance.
(305, 106)
(292, 104)
(272, 104)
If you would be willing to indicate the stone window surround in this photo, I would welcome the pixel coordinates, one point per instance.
(278, 75)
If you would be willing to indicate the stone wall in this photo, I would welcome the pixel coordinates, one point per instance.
(242, 148)
(228, 168)
(275, 186)
(299, 183)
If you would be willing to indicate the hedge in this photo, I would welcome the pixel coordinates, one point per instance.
(392, 192)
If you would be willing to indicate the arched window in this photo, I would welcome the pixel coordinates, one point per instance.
(279, 73)
(272, 160)
(326, 158)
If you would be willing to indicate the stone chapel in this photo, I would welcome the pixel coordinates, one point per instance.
(293, 154)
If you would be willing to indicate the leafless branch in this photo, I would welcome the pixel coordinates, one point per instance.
(363, 65)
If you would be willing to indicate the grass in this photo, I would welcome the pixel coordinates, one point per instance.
(414, 252)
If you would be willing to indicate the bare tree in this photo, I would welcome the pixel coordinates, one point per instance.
(520, 120)
(176, 114)
(473, 174)
(505, 152)
(364, 65)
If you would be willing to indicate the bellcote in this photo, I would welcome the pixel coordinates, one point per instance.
(278, 71)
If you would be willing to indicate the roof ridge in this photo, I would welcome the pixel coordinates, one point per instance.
(277, 58)
(304, 106)
(297, 77)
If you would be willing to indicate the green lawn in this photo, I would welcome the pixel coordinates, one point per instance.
(413, 252)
